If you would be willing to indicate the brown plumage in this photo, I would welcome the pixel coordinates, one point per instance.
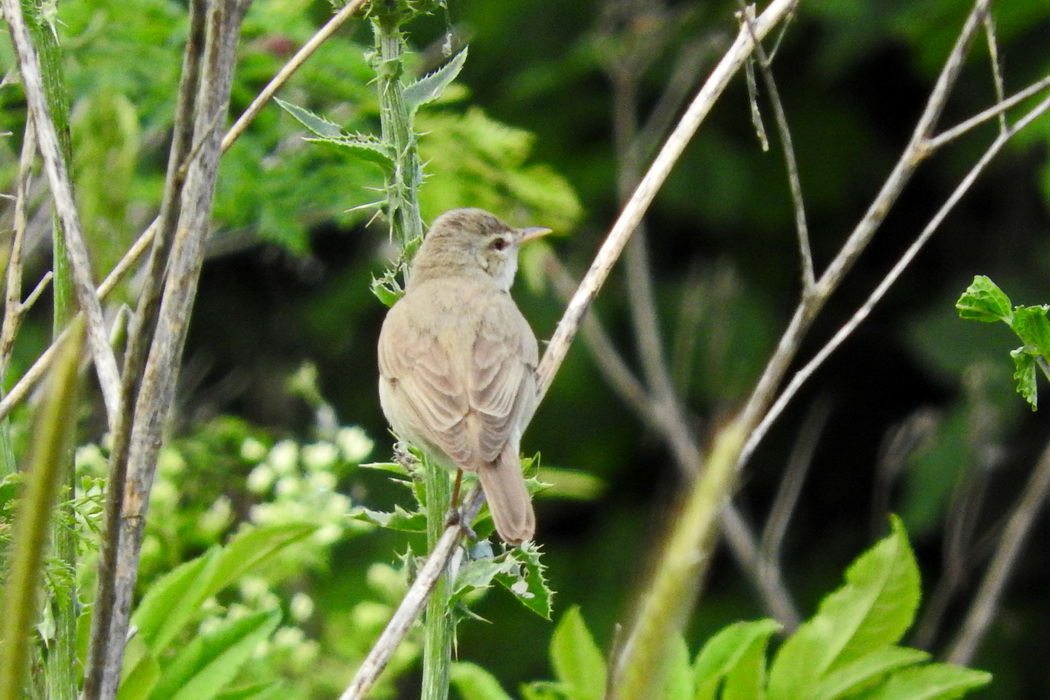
(457, 360)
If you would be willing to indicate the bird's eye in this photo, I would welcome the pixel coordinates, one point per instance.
(499, 243)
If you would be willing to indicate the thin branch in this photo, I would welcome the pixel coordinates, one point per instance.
(858, 317)
(755, 410)
(979, 618)
(142, 328)
(643, 196)
(155, 397)
(790, 162)
(294, 63)
(996, 110)
(13, 307)
(997, 66)
(65, 207)
(415, 600)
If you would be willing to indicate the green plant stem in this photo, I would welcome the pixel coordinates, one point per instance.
(438, 625)
(60, 665)
(396, 122)
(678, 573)
(51, 443)
(403, 212)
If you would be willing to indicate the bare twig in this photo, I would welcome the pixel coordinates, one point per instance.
(790, 162)
(980, 615)
(294, 63)
(102, 645)
(757, 412)
(643, 196)
(154, 399)
(858, 317)
(13, 307)
(65, 208)
(997, 66)
(992, 112)
(412, 605)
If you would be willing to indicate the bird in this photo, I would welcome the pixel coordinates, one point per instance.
(457, 360)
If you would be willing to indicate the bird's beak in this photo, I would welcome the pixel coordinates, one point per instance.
(532, 233)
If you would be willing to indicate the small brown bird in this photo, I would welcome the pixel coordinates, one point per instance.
(457, 360)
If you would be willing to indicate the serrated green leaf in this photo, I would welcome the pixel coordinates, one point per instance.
(872, 610)
(529, 584)
(368, 147)
(173, 600)
(398, 519)
(1032, 327)
(316, 124)
(577, 660)
(430, 87)
(385, 292)
(204, 666)
(475, 683)
(726, 650)
(1024, 376)
(984, 301)
(252, 547)
(930, 682)
(852, 677)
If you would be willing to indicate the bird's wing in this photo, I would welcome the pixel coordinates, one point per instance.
(502, 377)
(426, 383)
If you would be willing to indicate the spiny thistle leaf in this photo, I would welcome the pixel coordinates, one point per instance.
(430, 87)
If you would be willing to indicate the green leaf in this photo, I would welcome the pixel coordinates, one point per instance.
(984, 301)
(726, 650)
(852, 677)
(475, 683)
(252, 547)
(747, 678)
(316, 124)
(678, 676)
(930, 682)
(365, 146)
(173, 600)
(263, 690)
(1032, 327)
(872, 610)
(387, 291)
(141, 671)
(528, 583)
(398, 519)
(430, 87)
(1024, 376)
(577, 660)
(203, 667)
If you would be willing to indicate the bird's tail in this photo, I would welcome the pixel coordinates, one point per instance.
(508, 498)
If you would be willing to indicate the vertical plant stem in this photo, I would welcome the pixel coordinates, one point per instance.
(396, 122)
(156, 395)
(141, 336)
(51, 443)
(403, 212)
(60, 661)
(439, 626)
